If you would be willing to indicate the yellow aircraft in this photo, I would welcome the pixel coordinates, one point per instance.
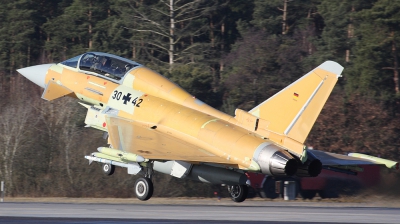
(152, 124)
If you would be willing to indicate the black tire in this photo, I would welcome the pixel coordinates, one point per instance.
(238, 192)
(252, 193)
(108, 169)
(144, 188)
(308, 194)
(269, 188)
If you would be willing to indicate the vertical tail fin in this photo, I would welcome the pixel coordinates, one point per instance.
(293, 110)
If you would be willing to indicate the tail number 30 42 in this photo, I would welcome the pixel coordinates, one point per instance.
(127, 98)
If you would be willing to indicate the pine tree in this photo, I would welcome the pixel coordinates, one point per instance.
(73, 31)
(16, 34)
(376, 63)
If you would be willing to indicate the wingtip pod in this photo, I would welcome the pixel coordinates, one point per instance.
(388, 163)
(332, 67)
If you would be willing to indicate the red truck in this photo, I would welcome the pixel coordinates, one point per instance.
(328, 184)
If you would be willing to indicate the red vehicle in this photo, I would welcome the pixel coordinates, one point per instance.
(328, 184)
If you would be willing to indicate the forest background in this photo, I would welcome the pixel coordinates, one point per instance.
(228, 53)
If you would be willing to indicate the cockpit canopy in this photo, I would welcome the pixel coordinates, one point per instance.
(108, 65)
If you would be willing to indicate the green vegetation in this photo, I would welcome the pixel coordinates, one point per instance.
(230, 54)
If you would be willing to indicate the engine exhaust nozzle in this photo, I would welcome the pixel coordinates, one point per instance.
(275, 161)
(310, 168)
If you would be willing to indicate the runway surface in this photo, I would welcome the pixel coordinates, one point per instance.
(265, 212)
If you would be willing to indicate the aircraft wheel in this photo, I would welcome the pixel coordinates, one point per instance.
(308, 194)
(238, 192)
(108, 169)
(143, 188)
(269, 188)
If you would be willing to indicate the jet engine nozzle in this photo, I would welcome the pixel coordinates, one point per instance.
(282, 163)
(310, 168)
(275, 161)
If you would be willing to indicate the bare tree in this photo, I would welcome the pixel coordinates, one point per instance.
(15, 123)
(59, 119)
(170, 26)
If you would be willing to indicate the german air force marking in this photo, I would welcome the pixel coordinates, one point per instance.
(125, 98)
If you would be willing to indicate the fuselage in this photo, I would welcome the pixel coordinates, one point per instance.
(140, 94)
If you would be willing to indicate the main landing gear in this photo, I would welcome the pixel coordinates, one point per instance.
(238, 192)
(144, 186)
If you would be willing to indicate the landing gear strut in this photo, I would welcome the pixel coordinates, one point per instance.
(144, 186)
(238, 192)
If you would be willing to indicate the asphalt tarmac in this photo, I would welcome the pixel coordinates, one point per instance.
(260, 212)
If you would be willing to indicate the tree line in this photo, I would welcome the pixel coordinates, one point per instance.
(230, 54)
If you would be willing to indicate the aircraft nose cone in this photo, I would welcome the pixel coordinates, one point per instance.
(36, 74)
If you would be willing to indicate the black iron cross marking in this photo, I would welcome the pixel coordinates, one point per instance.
(126, 98)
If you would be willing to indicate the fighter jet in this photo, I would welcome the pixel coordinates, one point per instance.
(152, 124)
